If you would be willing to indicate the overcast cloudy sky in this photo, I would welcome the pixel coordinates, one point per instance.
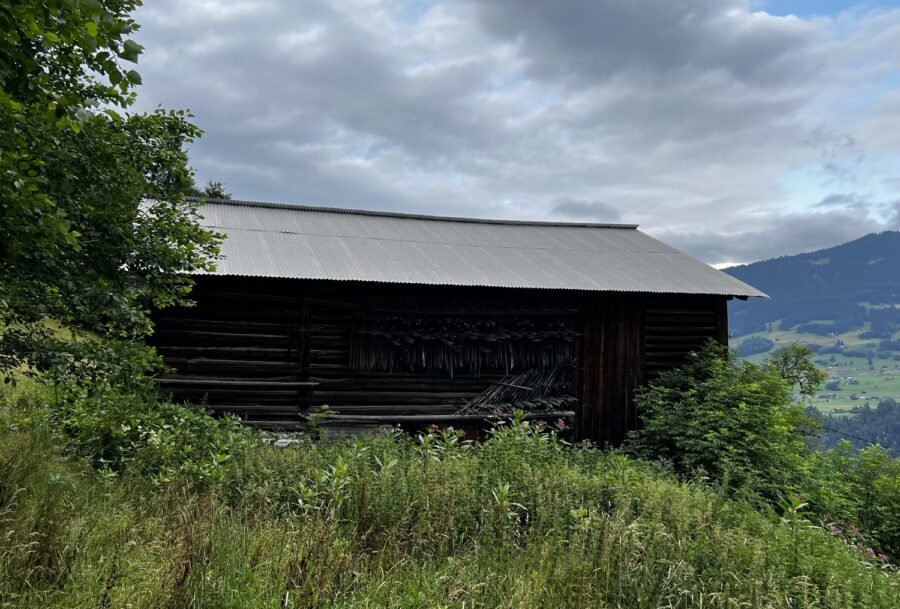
(736, 130)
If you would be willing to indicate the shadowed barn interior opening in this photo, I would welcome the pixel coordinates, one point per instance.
(390, 318)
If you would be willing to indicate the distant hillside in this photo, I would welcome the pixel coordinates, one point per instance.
(853, 287)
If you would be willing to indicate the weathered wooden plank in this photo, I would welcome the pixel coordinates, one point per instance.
(441, 418)
(232, 382)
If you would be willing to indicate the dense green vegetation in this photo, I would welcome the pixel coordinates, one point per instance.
(865, 425)
(729, 418)
(734, 422)
(94, 227)
(520, 520)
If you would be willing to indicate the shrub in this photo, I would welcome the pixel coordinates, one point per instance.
(127, 429)
(859, 494)
(727, 419)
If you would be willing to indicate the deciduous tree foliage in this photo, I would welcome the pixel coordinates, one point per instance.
(730, 419)
(93, 226)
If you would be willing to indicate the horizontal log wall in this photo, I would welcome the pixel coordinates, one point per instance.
(270, 349)
(240, 350)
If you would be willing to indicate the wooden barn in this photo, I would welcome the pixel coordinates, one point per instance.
(391, 318)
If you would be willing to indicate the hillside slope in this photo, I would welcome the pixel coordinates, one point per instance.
(835, 287)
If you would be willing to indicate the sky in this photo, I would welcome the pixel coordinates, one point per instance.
(736, 130)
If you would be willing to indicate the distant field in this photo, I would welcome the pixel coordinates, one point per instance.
(786, 337)
(858, 381)
(857, 378)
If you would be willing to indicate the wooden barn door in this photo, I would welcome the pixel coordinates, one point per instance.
(611, 367)
(628, 340)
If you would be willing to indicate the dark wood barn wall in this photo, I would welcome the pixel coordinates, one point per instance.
(628, 341)
(268, 349)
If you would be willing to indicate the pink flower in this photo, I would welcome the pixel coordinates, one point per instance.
(561, 424)
(836, 530)
(884, 557)
(870, 552)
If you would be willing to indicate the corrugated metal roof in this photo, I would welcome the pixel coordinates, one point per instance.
(270, 240)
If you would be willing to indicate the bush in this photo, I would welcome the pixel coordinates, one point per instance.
(118, 430)
(859, 494)
(726, 419)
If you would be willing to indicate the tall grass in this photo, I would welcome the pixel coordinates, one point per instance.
(522, 520)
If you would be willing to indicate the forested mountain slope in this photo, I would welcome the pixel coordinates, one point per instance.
(854, 286)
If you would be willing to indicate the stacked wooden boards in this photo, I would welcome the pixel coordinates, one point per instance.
(269, 350)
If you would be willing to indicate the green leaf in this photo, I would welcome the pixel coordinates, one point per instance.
(91, 6)
(91, 28)
(130, 51)
(133, 77)
(115, 116)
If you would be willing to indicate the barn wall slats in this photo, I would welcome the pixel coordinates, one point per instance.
(349, 388)
(239, 352)
(269, 350)
(280, 333)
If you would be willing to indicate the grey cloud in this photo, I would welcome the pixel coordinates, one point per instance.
(895, 219)
(582, 37)
(585, 210)
(684, 113)
(840, 153)
(849, 200)
(785, 235)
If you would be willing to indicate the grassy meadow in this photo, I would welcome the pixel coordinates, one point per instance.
(859, 380)
(520, 520)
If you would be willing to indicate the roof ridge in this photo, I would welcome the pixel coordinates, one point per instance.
(669, 251)
(410, 216)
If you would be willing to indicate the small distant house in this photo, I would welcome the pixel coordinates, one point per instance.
(390, 318)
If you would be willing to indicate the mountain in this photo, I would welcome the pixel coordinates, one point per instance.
(846, 288)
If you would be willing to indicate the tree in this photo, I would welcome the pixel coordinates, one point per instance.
(94, 228)
(212, 190)
(794, 364)
(727, 418)
(216, 190)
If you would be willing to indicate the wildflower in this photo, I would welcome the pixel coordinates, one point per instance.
(884, 557)
(561, 424)
(835, 530)
(870, 552)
